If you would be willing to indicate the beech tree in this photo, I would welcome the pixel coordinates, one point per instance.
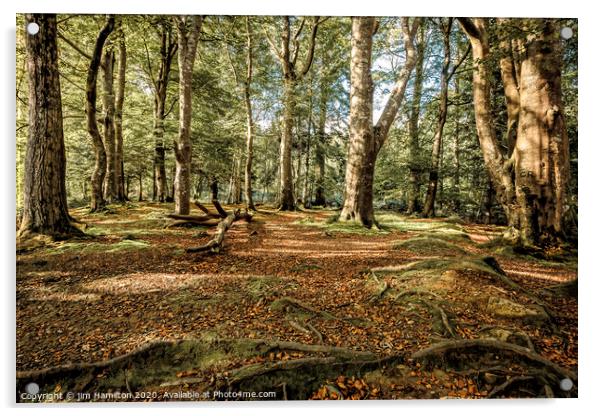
(236, 136)
(45, 208)
(366, 139)
(108, 104)
(445, 26)
(97, 200)
(244, 83)
(292, 74)
(119, 99)
(189, 32)
(413, 132)
(160, 82)
(530, 184)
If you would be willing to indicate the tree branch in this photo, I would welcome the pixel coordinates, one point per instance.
(457, 65)
(394, 101)
(469, 27)
(312, 46)
(296, 41)
(74, 46)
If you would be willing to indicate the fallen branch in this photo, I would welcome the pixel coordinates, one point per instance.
(202, 207)
(219, 208)
(191, 222)
(215, 244)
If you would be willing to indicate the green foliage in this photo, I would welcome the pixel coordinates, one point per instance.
(322, 98)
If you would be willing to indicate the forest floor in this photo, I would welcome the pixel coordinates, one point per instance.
(267, 312)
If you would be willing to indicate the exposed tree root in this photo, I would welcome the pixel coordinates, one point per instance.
(503, 277)
(435, 309)
(326, 349)
(466, 345)
(570, 288)
(497, 390)
(289, 304)
(86, 371)
(516, 332)
(301, 376)
(80, 367)
(384, 287)
(415, 292)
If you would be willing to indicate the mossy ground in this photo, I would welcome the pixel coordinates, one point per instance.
(131, 282)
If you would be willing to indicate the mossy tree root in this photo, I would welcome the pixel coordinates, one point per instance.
(485, 344)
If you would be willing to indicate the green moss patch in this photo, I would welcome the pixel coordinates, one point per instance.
(89, 247)
(429, 245)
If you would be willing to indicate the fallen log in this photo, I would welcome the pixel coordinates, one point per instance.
(211, 223)
(193, 218)
(215, 244)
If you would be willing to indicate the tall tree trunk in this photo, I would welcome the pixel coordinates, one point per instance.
(413, 132)
(169, 47)
(214, 188)
(119, 98)
(364, 142)
(456, 176)
(531, 184)
(250, 126)
(509, 77)
(189, 30)
(305, 196)
(236, 183)
(490, 193)
(140, 198)
(492, 154)
(361, 132)
(431, 193)
(321, 146)
(45, 208)
(97, 199)
(287, 198)
(291, 74)
(541, 155)
(108, 103)
(172, 190)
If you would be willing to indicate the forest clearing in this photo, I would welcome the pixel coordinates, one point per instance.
(294, 208)
(294, 278)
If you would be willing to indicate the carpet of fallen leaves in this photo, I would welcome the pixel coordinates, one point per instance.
(84, 303)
